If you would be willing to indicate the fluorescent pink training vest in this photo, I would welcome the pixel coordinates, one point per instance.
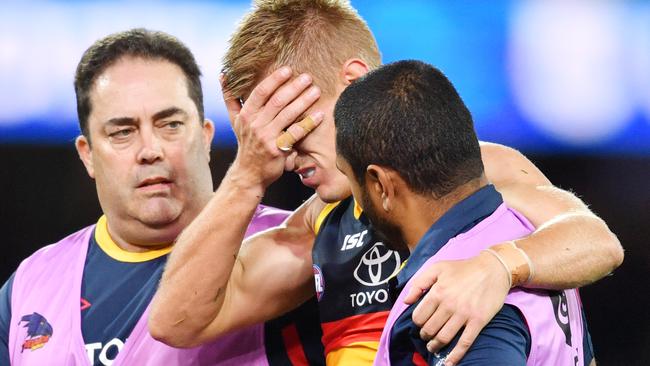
(48, 283)
(549, 344)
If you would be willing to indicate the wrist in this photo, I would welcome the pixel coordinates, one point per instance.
(515, 261)
(244, 182)
(490, 256)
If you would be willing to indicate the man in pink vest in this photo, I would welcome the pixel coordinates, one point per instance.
(145, 142)
(406, 143)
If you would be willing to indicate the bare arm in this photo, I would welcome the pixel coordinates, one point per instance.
(209, 289)
(571, 247)
(212, 283)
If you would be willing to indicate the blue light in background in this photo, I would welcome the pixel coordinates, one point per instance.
(549, 77)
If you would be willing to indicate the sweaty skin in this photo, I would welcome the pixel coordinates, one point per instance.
(214, 283)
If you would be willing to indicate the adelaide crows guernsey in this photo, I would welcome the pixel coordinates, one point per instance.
(351, 273)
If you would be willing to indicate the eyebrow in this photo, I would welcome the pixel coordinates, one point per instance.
(168, 113)
(121, 121)
(125, 121)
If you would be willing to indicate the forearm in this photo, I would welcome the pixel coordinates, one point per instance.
(571, 246)
(571, 251)
(192, 289)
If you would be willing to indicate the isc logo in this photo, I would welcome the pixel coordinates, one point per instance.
(353, 241)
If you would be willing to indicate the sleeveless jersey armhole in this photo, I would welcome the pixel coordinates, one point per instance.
(323, 215)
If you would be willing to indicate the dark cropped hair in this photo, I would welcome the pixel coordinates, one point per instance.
(408, 116)
(139, 42)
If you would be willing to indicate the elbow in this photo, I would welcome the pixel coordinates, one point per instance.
(175, 335)
(612, 250)
(616, 252)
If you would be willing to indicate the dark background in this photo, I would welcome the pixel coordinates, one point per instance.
(47, 195)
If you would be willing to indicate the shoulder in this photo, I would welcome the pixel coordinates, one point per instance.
(64, 248)
(505, 165)
(316, 211)
(494, 150)
(5, 306)
(49, 262)
(5, 320)
(505, 340)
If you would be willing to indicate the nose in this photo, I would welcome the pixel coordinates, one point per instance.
(151, 149)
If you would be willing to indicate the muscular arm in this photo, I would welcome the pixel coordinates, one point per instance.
(211, 286)
(212, 283)
(571, 247)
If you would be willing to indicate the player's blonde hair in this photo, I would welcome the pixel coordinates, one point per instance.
(313, 36)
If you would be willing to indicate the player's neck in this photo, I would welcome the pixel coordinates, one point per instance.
(422, 212)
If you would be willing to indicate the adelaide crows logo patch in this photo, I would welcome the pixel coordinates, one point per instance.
(39, 331)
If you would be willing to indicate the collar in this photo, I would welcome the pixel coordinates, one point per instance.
(459, 219)
(106, 243)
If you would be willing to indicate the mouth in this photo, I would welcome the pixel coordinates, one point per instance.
(308, 176)
(154, 183)
(306, 173)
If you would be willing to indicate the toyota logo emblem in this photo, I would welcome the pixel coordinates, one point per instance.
(377, 265)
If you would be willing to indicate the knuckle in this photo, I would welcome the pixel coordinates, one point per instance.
(258, 136)
(418, 320)
(263, 90)
(276, 101)
(256, 133)
(243, 117)
(425, 335)
(441, 289)
(296, 131)
(449, 306)
(475, 316)
(433, 296)
(270, 150)
(433, 345)
(443, 337)
(462, 313)
(454, 358)
(464, 343)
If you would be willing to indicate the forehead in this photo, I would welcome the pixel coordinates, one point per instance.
(133, 86)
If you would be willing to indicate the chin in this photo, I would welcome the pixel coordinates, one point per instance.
(158, 214)
(332, 194)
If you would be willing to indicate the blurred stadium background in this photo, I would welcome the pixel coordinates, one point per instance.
(566, 82)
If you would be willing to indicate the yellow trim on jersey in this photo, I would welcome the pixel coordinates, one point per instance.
(106, 243)
(399, 270)
(353, 354)
(323, 214)
(357, 210)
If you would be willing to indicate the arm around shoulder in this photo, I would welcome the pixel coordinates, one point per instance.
(572, 246)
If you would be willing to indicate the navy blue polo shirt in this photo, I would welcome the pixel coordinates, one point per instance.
(504, 341)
